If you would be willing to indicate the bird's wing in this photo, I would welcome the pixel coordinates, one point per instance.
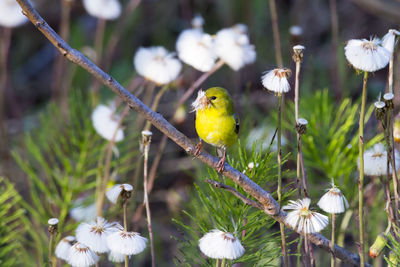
(237, 123)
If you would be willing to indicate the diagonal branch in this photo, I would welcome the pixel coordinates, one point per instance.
(269, 204)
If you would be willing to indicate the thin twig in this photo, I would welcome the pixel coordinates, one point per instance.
(335, 44)
(146, 147)
(245, 200)
(270, 206)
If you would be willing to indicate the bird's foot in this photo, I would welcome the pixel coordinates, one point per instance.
(197, 151)
(221, 165)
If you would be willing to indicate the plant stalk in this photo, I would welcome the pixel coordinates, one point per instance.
(279, 191)
(102, 183)
(333, 241)
(361, 178)
(124, 205)
(155, 104)
(223, 262)
(146, 147)
(275, 30)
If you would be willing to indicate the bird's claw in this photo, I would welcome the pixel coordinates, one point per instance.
(221, 165)
(198, 149)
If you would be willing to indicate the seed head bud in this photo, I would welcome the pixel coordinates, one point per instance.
(378, 246)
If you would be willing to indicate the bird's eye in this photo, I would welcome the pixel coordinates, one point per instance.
(213, 97)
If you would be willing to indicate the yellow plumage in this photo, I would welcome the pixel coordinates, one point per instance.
(216, 122)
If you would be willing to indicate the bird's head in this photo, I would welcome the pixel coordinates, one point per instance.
(215, 97)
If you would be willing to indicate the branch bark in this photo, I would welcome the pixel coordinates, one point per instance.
(267, 202)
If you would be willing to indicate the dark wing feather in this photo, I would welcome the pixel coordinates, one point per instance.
(237, 124)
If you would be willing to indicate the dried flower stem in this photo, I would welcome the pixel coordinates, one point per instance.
(279, 191)
(270, 206)
(124, 205)
(102, 182)
(361, 178)
(275, 29)
(390, 75)
(217, 263)
(146, 148)
(60, 64)
(4, 83)
(335, 43)
(51, 263)
(117, 32)
(333, 241)
(155, 104)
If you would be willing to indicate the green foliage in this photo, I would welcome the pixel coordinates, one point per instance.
(330, 145)
(11, 226)
(216, 208)
(63, 158)
(394, 245)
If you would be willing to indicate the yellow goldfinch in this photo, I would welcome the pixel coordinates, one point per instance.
(216, 121)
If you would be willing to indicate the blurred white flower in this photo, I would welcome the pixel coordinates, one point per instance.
(375, 160)
(302, 219)
(389, 40)
(127, 243)
(333, 201)
(197, 21)
(296, 30)
(63, 247)
(233, 46)
(263, 135)
(157, 65)
(82, 256)
(367, 55)
(94, 234)
(116, 190)
(217, 244)
(276, 80)
(11, 14)
(82, 212)
(103, 9)
(52, 221)
(105, 121)
(116, 257)
(195, 48)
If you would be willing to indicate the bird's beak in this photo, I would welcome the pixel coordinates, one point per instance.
(205, 102)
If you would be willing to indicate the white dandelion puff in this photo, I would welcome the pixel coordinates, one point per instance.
(127, 243)
(302, 219)
(106, 121)
(104, 9)
(375, 160)
(333, 201)
(116, 191)
(63, 247)
(276, 80)
(81, 255)
(389, 40)
(52, 221)
(11, 14)
(157, 64)
(195, 48)
(367, 55)
(116, 257)
(233, 46)
(94, 234)
(217, 244)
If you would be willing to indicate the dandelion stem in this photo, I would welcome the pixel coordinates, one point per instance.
(275, 29)
(279, 191)
(217, 263)
(125, 204)
(102, 182)
(335, 43)
(51, 249)
(390, 78)
(333, 241)
(296, 108)
(146, 147)
(155, 104)
(223, 262)
(361, 178)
